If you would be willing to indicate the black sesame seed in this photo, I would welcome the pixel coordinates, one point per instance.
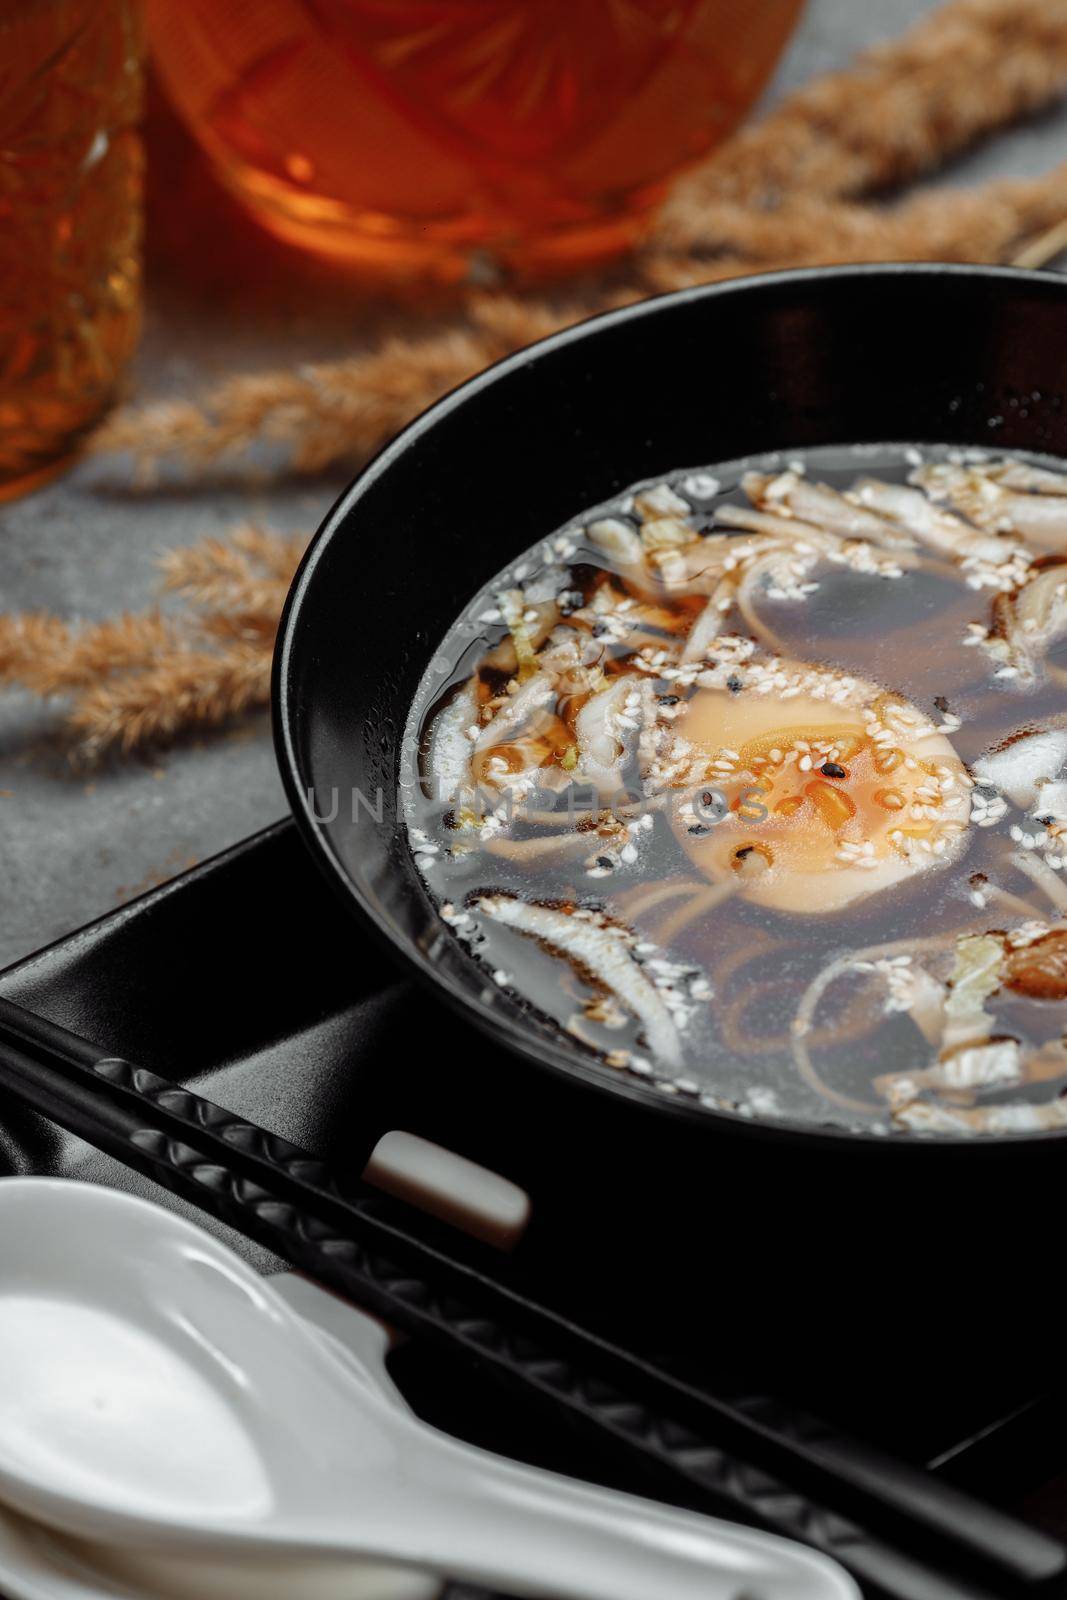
(830, 769)
(599, 629)
(605, 861)
(744, 852)
(734, 685)
(940, 703)
(669, 699)
(698, 828)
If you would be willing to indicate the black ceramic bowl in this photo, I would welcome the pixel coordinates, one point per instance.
(833, 356)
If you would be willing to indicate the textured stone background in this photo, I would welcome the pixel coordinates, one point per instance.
(72, 848)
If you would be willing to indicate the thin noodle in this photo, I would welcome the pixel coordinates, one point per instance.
(548, 819)
(1044, 876)
(744, 600)
(732, 1028)
(698, 906)
(1010, 902)
(636, 902)
(854, 1024)
(749, 951)
(552, 819)
(805, 1012)
(547, 844)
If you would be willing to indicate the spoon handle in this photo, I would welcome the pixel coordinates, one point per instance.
(496, 1522)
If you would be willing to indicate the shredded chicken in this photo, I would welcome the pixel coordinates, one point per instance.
(931, 524)
(662, 514)
(617, 540)
(1027, 623)
(608, 727)
(711, 621)
(533, 696)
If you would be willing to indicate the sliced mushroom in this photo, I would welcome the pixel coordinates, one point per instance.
(817, 503)
(1039, 969)
(450, 745)
(603, 951)
(1039, 518)
(533, 696)
(929, 522)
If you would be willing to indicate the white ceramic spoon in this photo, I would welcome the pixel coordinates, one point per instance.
(39, 1563)
(156, 1392)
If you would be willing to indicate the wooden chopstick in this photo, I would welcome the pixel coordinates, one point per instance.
(915, 1537)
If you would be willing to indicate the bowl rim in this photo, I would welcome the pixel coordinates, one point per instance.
(504, 1030)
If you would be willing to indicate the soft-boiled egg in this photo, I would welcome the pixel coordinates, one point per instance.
(828, 799)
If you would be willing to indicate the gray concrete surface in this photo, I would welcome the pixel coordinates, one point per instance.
(72, 846)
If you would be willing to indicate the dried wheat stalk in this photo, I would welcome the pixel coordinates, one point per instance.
(247, 573)
(48, 656)
(187, 690)
(988, 223)
(325, 413)
(898, 110)
(142, 680)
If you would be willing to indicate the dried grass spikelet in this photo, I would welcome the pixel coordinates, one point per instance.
(247, 573)
(187, 690)
(325, 412)
(316, 411)
(48, 656)
(136, 681)
(775, 195)
(896, 111)
(985, 224)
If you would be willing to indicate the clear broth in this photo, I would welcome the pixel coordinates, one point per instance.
(734, 975)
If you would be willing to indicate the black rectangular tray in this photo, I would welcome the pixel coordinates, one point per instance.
(247, 980)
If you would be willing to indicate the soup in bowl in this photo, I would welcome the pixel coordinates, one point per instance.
(752, 781)
(701, 741)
